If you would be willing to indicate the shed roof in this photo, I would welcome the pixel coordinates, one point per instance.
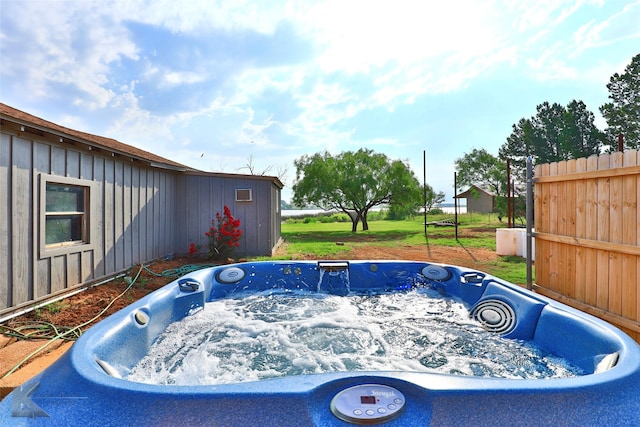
(471, 190)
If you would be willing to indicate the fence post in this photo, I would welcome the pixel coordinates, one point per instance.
(620, 142)
(529, 214)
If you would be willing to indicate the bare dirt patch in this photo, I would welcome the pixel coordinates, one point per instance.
(84, 306)
(456, 255)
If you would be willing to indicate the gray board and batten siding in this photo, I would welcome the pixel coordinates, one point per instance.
(139, 207)
(199, 197)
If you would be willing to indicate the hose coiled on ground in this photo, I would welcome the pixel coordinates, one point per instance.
(51, 332)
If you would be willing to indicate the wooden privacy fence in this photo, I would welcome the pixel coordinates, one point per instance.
(587, 235)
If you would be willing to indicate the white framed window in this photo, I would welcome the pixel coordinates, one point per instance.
(244, 195)
(65, 207)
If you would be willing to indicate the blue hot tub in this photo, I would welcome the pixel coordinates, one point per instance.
(89, 385)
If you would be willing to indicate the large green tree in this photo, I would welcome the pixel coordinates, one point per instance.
(555, 133)
(354, 182)
(623, 112)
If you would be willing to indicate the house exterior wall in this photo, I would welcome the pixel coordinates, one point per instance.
(200, 196)
(138, 211)
(131, 216)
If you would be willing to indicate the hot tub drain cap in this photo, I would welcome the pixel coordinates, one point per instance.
(495, 316)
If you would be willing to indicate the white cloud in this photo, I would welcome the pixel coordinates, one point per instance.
(134, 124)
(347, 61)
(623, 25)
(253, 133)
(556, 47)
(65, 48)
(552, 69)
(175, 78)
(535, 14)
(360, 36)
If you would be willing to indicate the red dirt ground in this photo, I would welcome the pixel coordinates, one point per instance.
(82, 307)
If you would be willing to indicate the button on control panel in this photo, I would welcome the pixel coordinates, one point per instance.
(368, 404)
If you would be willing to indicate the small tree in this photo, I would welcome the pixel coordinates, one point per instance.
(224, 234)
(433, 199)
(483, 169)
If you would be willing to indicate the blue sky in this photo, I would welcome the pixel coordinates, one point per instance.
(221, 85)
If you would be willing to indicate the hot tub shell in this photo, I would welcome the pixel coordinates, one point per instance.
(85, 387)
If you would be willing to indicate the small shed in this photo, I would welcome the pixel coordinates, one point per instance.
(478, 199)
(76, 208)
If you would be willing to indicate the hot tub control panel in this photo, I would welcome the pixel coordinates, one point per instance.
(368, 404)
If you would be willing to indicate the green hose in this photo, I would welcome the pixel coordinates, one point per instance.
(180, 271)
(34, 330)
(75, 330)
(46, 330)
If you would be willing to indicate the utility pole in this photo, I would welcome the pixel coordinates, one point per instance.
(508, 194)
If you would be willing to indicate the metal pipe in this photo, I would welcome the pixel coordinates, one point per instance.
(424, 187)
(508, 194)
(529, 214)
(513, 203)
(455, 202)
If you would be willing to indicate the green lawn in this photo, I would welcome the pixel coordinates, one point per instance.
(318, 238)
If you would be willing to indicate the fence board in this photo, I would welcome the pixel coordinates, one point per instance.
(637, 199)
(592, 244)
(593, 174)
(631, 235)
(580, 230)
(570, 230)
(591, 208)
(629, 307)
(602, 290)
(615, 236)
(542, 222)
(554, 225)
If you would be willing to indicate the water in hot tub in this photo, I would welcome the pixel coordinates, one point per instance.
(254, 336)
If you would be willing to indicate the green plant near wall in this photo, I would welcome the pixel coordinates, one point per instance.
(57, 306)
(51, 308)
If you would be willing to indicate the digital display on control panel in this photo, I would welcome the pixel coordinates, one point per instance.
(368, 400)
(368, 404)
